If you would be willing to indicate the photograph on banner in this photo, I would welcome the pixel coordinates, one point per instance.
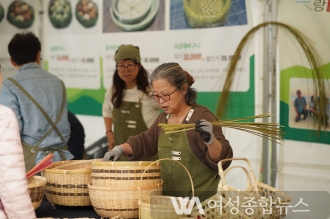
(74, 16)
(137, 15)
(15, 17)
(185, 14)
(303, 108)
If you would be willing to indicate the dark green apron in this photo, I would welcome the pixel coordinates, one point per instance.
(30, 151)
(128, 121)
(176, 180)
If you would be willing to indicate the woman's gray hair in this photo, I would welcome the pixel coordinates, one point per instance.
(177, 77)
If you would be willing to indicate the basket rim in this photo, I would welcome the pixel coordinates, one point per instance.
(76, 171)
(125, 163)
(43, 181)
(75, 162)
(104, 188)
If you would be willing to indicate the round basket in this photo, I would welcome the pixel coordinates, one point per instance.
(125, 174)
(159, 206)
(36, 189)
(120, 202)
(67, 183)
(206, 13)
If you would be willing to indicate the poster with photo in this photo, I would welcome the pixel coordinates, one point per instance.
(72, 41)
(295, 70)
(15, 17)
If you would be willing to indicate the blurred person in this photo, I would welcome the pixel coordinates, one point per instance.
(76, 141)
(127, 104)
(199, 150)
(312, 106)
(38, 100)
(300, 106)
(15, 201)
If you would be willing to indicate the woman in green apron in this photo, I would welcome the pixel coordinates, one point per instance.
(127, 107)
(198, 150)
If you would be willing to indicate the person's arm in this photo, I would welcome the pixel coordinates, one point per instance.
(109, 131)
(107, 116)
(13, 184)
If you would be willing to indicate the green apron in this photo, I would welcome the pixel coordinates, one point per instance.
(176, 180)
(128, 121)
(30, 152)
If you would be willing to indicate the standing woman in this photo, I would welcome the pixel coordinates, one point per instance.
(127, 106)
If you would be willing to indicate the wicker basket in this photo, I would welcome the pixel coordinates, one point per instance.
(125, 174)
(36, 189)
(67, 183)
(158, 206)
(120, 202)
(252, 203)
(206, 13)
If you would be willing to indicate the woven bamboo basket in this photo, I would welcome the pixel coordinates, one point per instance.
(120, 202)
(159, 206)
(125, 174)
(67, 183)
(36, 189)
(206, 13)
(257, 201)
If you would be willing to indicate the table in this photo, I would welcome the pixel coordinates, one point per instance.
(46, 210)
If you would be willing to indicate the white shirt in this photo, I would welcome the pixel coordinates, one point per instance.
(150, 109)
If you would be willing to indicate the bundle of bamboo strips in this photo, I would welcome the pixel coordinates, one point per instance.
(268, 130)
(43, 164)
(318, 72)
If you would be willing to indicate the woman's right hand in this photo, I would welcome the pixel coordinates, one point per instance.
(113, 154)
(110, 137)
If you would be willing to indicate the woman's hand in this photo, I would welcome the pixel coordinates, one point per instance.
(205, 129)
(113, 154)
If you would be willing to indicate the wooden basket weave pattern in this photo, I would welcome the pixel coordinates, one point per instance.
(118, 201)
(67, 183)
(36, 189)
(206, 13)
(124, 175)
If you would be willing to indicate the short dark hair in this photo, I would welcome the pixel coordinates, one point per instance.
(24, 47)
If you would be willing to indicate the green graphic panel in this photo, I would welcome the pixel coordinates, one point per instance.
(299, 134)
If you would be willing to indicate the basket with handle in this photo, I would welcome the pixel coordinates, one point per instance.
(258, 200)
(206, 13)
(67, 183)
(121, 201)
(36, 189)
(126, 174)
(158, 205)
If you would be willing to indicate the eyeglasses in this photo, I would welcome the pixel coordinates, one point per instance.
(130, 67)
(165, 97)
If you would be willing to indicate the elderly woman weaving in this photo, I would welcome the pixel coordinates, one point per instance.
(198, 150)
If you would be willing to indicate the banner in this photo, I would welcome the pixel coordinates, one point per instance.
(15, 16)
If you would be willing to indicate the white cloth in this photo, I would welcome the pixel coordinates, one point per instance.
(13, 184)
(150, 109)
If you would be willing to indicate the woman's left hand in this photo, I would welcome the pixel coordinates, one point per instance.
(205, 129)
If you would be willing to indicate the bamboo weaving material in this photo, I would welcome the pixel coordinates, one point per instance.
(314, 59)
(159, 206)
(36, 189)
(67, 183)
(271, 131)
(124, 174)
